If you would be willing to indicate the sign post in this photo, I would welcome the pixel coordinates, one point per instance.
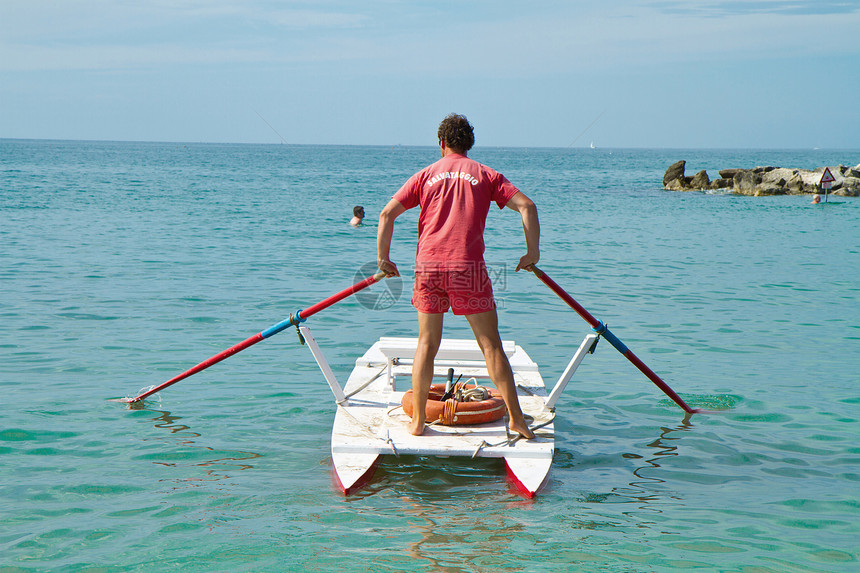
(826, 182)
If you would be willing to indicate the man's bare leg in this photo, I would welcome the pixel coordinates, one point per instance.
(485, 326)
(429, 339)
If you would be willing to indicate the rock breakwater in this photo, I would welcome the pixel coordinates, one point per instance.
(760, 181)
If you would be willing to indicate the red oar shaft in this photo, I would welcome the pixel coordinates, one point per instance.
(299, 317)
(323, 304)
(658, 381)
(202, 366)
(593, 322)
(601, 329)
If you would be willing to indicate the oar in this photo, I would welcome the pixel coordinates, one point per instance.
(293, 320)
(602, 330)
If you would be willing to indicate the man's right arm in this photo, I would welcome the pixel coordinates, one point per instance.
(383, 237)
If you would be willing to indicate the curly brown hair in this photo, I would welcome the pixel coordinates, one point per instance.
(457, 133)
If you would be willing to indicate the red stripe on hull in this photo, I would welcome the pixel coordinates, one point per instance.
(521, 488)
(359, 483)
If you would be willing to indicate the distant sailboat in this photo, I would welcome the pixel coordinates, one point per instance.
(592, 145)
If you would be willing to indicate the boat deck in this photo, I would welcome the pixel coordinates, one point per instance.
(371, 421)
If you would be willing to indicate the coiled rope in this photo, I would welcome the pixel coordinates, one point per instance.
(461, 394)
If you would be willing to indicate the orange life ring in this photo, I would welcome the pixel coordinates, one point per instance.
(459, 413)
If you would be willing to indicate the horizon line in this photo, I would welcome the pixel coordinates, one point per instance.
(431, 146)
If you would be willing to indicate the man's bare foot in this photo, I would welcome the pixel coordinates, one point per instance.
(522, 428)
(416, 427)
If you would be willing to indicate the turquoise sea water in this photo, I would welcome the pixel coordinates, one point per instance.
(123, 264)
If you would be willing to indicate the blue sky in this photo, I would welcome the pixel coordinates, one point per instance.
(661, 73)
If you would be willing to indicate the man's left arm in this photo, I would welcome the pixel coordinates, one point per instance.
(531, 227)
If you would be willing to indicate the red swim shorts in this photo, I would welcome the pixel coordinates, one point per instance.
(465, 292)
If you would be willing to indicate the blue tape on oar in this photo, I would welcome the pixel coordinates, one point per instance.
(611, 338)
(293, 320)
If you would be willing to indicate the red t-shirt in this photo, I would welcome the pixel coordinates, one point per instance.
(454, 194)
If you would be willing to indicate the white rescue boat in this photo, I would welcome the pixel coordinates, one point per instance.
(370, 421)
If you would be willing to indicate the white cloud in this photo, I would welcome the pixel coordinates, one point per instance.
(413, 38)
(636, 35)
(303, 19)
(116, 57)
(99, 34)
(721, 8)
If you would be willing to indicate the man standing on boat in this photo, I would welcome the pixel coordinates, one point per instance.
(454, 194)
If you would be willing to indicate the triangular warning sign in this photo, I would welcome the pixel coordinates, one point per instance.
(827, 177)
